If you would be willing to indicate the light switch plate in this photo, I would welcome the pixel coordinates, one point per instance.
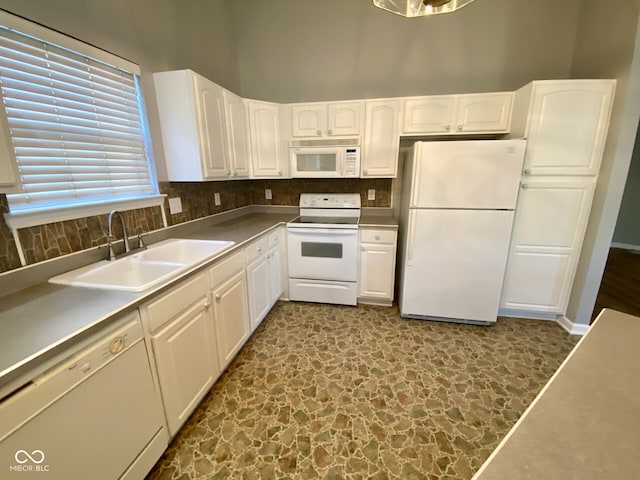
(216, 199)
(267, 193)
(371, 194)
(175, 205)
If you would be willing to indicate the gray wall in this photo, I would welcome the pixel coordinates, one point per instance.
(607, 46)
(302, 50)
(628, 226)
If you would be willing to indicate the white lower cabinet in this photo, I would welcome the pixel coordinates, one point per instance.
(230, 309)
(264, 274)
(183, 341)
(377, 265)
(550, 221)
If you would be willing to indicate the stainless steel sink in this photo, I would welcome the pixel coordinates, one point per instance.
(149, 268)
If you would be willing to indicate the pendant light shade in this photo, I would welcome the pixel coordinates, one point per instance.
(419, 8)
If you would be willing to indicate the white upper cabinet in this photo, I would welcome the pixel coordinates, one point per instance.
(318, 120)
(266, 149)
(565, 123)
(9, 177)
(192, 119)
(237, 134)
(381, 140)
(457, 114)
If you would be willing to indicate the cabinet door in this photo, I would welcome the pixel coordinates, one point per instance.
(259, 277)
(344, 119)
(428, 115)
(275, 269)
(264, 132)
(309, 120)
(185, 354)
(211, 121)
(231, 315)
(490, 112)
(550, 221)
(237, 135)
(381, 139)
(377, 269)
(567, 126)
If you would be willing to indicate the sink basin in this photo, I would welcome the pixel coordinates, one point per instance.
(183, 251)
(151, 267)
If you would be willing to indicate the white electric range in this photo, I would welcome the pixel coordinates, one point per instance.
(323, 249)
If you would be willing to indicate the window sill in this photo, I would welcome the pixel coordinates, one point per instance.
(19, 220)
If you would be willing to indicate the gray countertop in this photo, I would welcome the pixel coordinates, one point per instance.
(40, 322)
(584, 423)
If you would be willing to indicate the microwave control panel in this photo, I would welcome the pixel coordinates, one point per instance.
(352, 162)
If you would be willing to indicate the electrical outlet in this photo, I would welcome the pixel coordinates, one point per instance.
(175, 205)
(371, 194)
(216, 199)
(267, 193)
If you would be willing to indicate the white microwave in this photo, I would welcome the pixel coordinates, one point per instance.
(325, 161)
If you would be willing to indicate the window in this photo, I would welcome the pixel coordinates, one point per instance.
(77, 126)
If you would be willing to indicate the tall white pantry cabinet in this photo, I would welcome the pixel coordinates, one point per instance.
(565, 123)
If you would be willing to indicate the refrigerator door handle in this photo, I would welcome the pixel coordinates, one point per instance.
(410, 235)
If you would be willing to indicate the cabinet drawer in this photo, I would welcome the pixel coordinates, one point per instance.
(170, 304)
(257, 248)
(377, 236)
(225, 269)
(275, 237)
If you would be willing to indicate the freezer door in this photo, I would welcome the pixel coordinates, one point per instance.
(475, 174)
(454, 263)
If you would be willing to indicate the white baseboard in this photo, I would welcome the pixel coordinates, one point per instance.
(626, 246)
(572, 328)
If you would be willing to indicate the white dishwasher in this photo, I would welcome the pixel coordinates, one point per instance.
(94, 415)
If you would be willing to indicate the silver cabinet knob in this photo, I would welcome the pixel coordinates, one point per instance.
(279, 173)
(460, 128)
(447, 128)
(377, 237)
(259, 249)
(228, 174)
(218, 297)
(207, 306)
(329, 131)
(525, 186)
(363, 249)
(318, 132)
(366, 172)
(527, 171)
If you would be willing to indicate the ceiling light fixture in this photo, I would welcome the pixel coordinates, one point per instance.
(420, 8)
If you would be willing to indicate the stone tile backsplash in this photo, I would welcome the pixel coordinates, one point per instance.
(53, 240)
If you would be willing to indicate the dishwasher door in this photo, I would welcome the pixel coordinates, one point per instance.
(89, 418)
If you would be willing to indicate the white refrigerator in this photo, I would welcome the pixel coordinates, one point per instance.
(456, 217)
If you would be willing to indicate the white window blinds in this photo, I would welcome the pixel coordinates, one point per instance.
(76, 126)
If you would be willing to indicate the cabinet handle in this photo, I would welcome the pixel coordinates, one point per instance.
(363, 249)
(259, 249)
(459, 128)
(377, 237)
(447, 128)
(329, 131)
(366, 172)
(318, 132)
(218, 297)
(527, 171)
(228, 174)
(207, 306)
(279, 173)
(525, 186)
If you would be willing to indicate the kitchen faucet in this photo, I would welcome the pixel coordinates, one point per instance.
(110, 237)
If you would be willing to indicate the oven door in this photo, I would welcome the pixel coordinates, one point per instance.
(323, 253)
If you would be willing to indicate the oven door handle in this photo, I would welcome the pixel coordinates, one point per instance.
(325, 231)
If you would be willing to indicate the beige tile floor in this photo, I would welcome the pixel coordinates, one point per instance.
(333, 392)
